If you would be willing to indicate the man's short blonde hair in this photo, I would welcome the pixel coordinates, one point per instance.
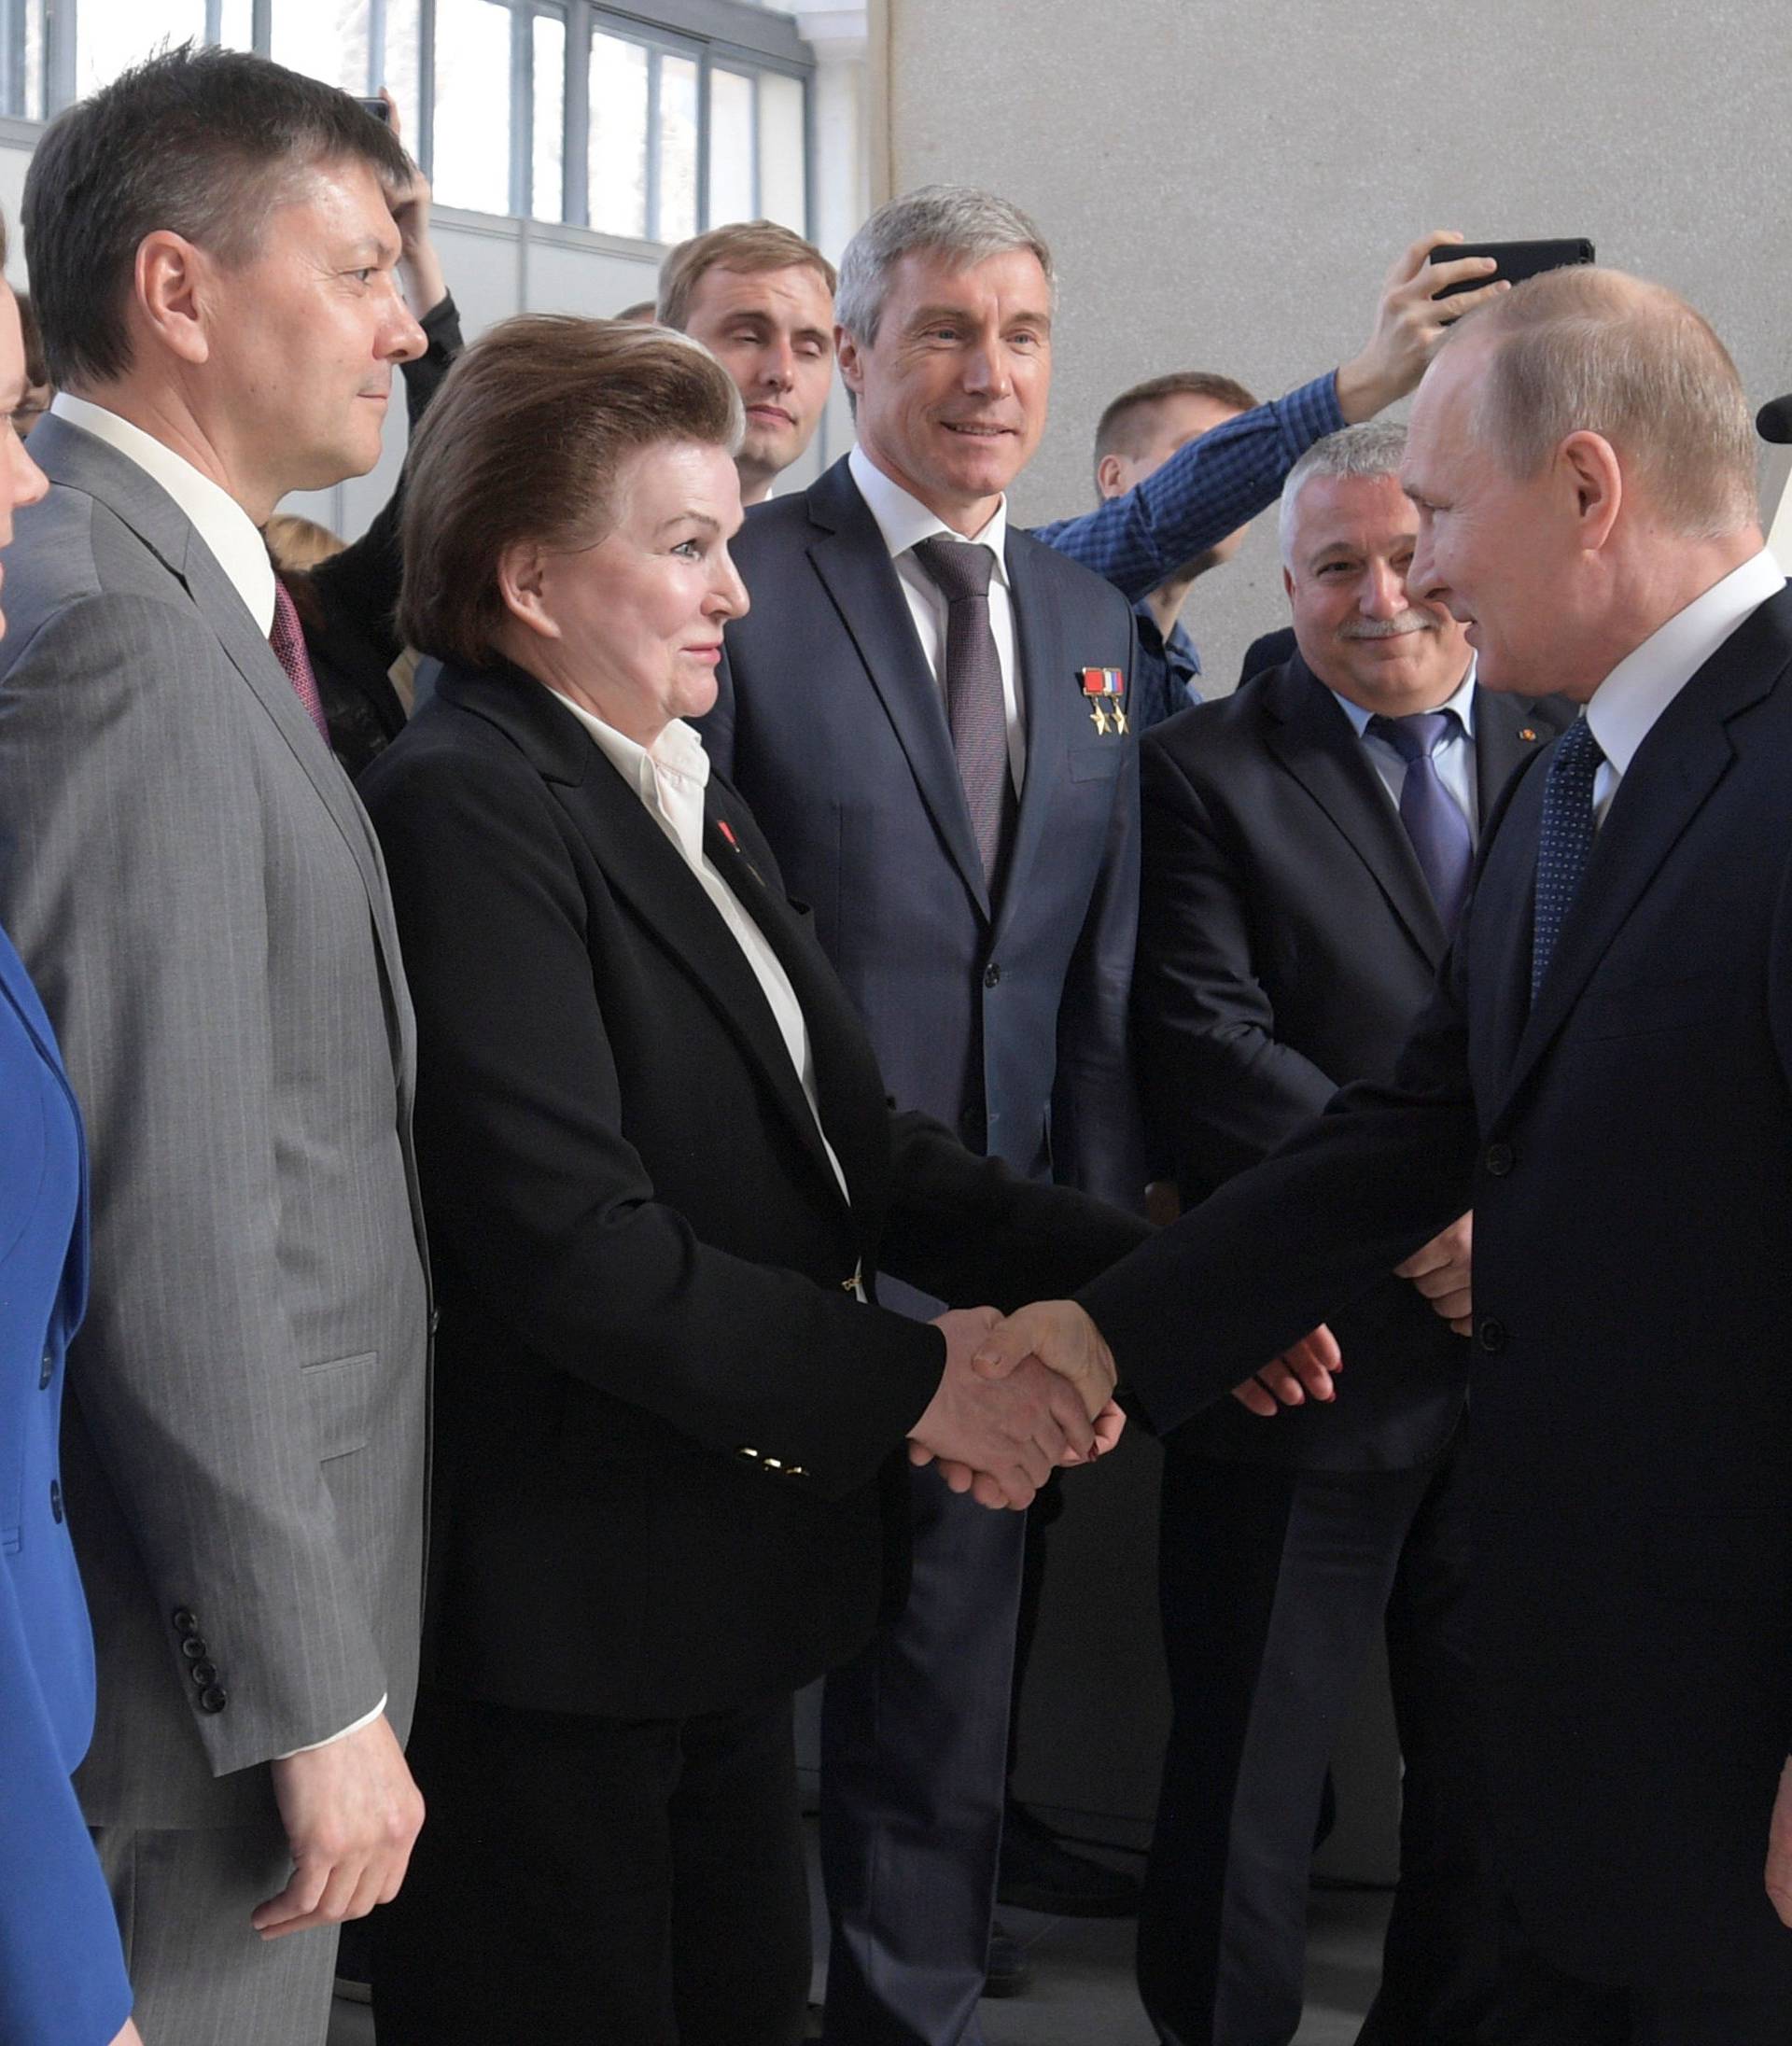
(748, 246)
(1593, 350)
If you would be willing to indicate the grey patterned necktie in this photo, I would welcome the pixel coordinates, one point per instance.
(1564, 841)
(1432, 816)
(972, 671)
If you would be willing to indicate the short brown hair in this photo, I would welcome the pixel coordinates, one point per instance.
(577, 397)
(749, 245)
(1122, 427)
(1592, 350)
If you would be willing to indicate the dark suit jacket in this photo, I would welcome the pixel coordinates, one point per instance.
(1268, 650)
(661, 1418)
(1287, 943)
(1627, 1148)
(1007, 1020)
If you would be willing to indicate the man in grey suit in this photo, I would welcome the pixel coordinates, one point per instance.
(201, 900)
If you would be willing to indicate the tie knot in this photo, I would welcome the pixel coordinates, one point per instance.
(1417, 736)
(960, 568)
(1578, 753)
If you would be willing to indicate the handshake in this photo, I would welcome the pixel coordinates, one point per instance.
(1022, 1397)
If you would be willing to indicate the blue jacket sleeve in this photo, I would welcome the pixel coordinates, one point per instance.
(1205, 491)
(62, 1969)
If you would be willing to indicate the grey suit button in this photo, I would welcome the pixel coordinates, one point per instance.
(992, 974)
(1492, 1336)
(214, 1699)
(203, 1673)
(46, 1369)
(1500, 1159)
(185, 1622)
(55, 1499)
(194, 1649)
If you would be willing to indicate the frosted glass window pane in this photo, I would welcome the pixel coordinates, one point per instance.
(472, 144)
(546, 190)
(325, 39)
(783, 183)
(399, 75)
(111, 36)
(22, 83)
(730, 148)
(677, 149)
(617, 159)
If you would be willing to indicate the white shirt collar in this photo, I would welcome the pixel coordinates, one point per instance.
(215, 516)
(1623, 710)
(904, 521)
(669, 776)
(1462, 703)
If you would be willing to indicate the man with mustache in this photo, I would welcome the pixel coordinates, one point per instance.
(1306, 845)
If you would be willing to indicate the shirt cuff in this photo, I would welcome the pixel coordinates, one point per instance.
(311, 1747)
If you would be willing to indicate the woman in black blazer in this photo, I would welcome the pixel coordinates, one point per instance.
(661, 1173)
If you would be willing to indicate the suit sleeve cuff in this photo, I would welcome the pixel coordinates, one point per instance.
(311, 1747)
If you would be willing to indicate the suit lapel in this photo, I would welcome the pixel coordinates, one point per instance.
(1508, 732)
(84, 463)
(644, 870)
(849, 1089)
(855, 567)
(1684, 758)
(1048, 699)
(1314, 741)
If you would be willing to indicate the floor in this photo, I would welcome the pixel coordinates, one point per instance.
(1082, 1993)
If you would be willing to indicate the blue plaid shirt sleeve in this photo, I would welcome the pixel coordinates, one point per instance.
(1200, 495)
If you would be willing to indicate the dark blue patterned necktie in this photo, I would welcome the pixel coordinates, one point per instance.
(1432, 816)
(1564, 842)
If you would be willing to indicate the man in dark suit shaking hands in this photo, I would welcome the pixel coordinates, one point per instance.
(1303, 876)
(1603, 1076)
(924, 708)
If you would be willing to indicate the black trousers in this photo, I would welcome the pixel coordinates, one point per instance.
(1274, 1584)
(1540, 2005)
(640, 1882)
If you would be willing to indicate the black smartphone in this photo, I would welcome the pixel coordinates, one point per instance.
(377, 107)
(1518, 261)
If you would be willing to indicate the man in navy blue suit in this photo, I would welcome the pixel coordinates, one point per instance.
(1605, 1076)
(927, 710)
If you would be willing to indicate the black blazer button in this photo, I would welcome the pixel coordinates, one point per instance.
(185, 1622)
(194, 1649)
(1492, 1336)
(1500, 1159)
(992, 974)
(215, 1699)
(46, 1369)
(203, 1673)
(55, 1501)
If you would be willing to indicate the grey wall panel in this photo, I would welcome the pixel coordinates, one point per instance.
(1225, 182)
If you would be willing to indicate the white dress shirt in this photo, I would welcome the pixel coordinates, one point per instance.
(1453, 757)
(1624, 707)
(904, 522)
(240, 551)
(670, 777)
(215, 516)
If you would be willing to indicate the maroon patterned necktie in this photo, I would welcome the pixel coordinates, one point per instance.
(289, 651)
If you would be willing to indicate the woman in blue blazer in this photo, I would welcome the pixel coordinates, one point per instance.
(62, 1970)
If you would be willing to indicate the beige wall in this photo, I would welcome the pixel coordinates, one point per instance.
(1224, 183)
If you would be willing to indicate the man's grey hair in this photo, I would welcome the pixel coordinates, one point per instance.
(1592, 350)
(957, 220)
(1372, 450)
